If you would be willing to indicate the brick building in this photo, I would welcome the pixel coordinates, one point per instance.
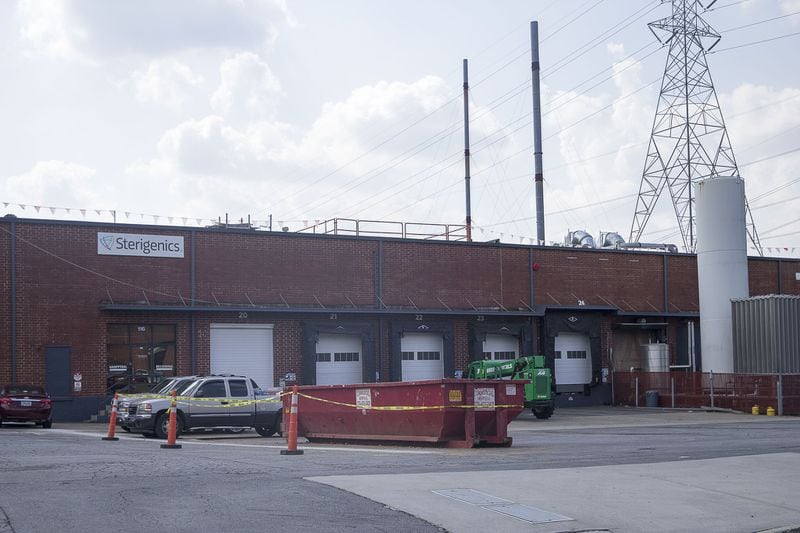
(90, 308)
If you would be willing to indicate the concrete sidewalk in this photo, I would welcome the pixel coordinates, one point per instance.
(734, 494)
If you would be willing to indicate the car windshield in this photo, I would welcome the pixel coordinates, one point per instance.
(161, 386)
(183, 385)
(24, 389)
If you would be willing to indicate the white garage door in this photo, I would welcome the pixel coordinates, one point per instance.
(422, 355)
(501, 347)
(244, 350)
(573, 360)
(339, 359)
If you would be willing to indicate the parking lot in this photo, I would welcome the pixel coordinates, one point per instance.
(615, 469)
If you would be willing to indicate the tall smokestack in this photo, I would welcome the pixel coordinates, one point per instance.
(466, 151)
(537, 133)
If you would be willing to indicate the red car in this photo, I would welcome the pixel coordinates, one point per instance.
(25, 403)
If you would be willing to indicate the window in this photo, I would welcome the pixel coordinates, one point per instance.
(505, 355)
(408, 356)
(323, 358)
(576, 354)
(212, 389)
(558, 355)
(428, 356)
(238, 388)
(346, 356)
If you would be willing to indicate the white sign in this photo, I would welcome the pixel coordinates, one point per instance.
(364, 398)
(77, 376)
(139, 245)
(77, 386)
(484, 398)
(163, 368)
(511, 390)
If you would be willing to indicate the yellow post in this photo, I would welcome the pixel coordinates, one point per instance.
(756, 410)
(770, 411)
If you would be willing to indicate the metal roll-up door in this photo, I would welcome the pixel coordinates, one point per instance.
(422, 356)
(500, 347)
(573, 361)
(245, 350)
(339, 359)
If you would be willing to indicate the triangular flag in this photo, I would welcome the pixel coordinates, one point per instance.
(83, 212)
(37, 207)
(127, 214)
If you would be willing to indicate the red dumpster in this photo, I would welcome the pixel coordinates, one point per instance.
(456, 412)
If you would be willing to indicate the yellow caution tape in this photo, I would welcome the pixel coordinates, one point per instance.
(409, 407)
(277, 398)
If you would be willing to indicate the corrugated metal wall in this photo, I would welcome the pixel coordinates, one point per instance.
(766, 334)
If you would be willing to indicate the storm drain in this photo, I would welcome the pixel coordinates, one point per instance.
(502, 506)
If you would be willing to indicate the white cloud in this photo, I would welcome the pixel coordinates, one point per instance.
(345, 130)
(50, 29)
(89, 29)
(166, 81)
(791, 6)
(248, 89)
(616, 50)
(53, 183)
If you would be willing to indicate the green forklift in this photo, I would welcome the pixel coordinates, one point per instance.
(538, 390)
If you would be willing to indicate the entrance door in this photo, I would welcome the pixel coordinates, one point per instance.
(339, 359)
(57, 370)
(573, 362)
(422, 356)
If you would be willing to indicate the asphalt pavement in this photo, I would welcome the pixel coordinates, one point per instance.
(586, 469)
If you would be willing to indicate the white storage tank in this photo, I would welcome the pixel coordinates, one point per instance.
(721, 266)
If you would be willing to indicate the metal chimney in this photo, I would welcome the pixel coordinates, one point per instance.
(537, 133)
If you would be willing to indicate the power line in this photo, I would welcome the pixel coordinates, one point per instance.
(754, 43)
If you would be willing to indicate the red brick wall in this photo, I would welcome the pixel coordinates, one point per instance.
(629, 281)
(62, 281)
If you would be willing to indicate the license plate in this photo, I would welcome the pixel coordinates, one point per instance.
(25, 404)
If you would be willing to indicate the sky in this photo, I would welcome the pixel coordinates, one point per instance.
(292, 113)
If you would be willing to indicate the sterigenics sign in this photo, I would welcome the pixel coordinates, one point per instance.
(139, 245)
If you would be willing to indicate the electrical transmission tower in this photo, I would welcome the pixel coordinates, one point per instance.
(689, 141)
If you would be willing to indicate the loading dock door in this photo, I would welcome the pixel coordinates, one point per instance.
(422, 356)
(573, 361)
(501, 347)
(244, 350)
(339, 359)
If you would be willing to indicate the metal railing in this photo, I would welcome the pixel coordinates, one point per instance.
(381, 228)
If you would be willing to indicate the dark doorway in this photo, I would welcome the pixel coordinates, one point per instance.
(58, 367)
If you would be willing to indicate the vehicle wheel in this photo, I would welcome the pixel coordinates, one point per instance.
(126, 429)
(543, 413)
(266, 431)
(269, 430)
(47, 424)
(234, 430)
(162, 426)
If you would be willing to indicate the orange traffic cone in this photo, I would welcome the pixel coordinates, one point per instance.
(112, 422)
(172, 431)
(291, 440)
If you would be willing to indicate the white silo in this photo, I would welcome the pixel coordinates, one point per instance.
(721, 265)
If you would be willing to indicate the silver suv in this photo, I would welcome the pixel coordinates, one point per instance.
(217, 401)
